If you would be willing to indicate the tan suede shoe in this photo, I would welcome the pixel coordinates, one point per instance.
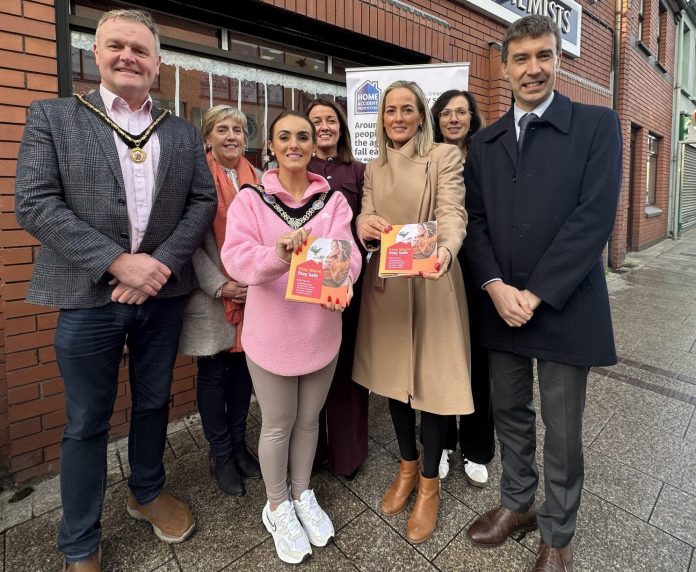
(170, 518)
(91, 564)
(423, 520)
(400, 490)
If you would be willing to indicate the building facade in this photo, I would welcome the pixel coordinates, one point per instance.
(269, 55)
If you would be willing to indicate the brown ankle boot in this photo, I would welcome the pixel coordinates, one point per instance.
(397, 494)
(423, 520)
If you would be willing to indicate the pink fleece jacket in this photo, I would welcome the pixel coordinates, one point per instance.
(285, 338)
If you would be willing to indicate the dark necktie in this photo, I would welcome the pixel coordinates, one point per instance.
(524, 120)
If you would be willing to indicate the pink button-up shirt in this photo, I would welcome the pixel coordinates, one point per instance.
(139, 178)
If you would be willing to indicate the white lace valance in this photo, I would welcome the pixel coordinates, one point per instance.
(217, 67)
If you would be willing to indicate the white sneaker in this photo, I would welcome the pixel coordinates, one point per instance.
(476, 475)
(315, 521)
(291, 542)
(443, 470)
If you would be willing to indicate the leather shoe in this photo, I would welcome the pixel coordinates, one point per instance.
(246, 462)
(552, 559)
(227, 475)
(398, 493)
(423, 519)
(91, 564)
(492, 528)
(170, 518)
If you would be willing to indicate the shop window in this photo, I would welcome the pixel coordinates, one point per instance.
(651, 171)
(290, 56)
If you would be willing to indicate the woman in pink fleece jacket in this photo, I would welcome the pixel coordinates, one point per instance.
(291, 347)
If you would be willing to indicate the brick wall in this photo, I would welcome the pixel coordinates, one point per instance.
(648, 114)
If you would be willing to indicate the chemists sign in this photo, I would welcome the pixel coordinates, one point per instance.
(566, 13)
(365, 87)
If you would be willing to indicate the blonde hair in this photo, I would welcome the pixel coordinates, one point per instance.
(221, 113)
(139, 16)
(424, 134)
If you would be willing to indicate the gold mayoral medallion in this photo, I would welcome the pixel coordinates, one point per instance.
(135, 143)
(137, 155)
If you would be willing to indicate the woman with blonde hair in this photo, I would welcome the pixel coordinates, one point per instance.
(413, 342)
(214, 313)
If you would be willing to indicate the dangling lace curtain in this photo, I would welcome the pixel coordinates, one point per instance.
(241, 73)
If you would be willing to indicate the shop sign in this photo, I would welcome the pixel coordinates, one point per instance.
(566, 13)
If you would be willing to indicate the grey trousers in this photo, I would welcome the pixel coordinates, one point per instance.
(290, 407)
(562, 389)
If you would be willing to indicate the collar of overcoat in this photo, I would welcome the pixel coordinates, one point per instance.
(105, 136)
(558, 115)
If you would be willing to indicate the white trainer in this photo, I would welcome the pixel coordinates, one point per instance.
(291, 542)
(476, 474)
(315, 521)
(443, 469)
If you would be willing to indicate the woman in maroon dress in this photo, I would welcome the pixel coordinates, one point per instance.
(345, 413)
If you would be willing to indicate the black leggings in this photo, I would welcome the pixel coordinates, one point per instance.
(433, 429)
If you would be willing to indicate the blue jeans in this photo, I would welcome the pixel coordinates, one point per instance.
(89, 348)
(223, 393)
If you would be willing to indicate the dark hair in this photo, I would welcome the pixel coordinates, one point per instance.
(533, 26)
(476, 122)
(290, 113)
(344, 147)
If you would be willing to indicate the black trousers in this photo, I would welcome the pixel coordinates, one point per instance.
(223, 391)
(433, 432)
(562, 389)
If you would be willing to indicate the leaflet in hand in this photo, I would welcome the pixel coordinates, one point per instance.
(408, 250)
(319, 271)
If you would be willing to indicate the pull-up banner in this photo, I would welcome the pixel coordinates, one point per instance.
(365, 86)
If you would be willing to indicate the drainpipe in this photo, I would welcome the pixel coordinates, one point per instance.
(674, 186)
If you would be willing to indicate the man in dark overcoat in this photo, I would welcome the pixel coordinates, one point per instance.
(542, 190)
(120, 195)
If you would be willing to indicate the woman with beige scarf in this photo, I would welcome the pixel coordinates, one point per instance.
(215, 311)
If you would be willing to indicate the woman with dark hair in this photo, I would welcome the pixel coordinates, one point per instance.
(343, 422)
(456, 119)
(291, 373)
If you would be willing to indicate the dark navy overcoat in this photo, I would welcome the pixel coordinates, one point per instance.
(541, 221)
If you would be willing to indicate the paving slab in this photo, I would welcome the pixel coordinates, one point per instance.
(675, 513)
(374, 546)
(631, 490)
(462, 556)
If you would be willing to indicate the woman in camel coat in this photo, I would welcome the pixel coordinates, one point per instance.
(413, 334)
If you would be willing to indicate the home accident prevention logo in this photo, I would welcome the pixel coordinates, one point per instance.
(367, 97)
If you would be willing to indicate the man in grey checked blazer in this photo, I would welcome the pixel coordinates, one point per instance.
(117, 237)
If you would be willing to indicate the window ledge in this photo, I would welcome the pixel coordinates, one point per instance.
(652, 211)
(661, 67)
(641, 46)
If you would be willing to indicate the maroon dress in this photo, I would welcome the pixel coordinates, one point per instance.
(343, 421)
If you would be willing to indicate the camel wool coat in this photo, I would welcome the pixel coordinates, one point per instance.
(413, 334)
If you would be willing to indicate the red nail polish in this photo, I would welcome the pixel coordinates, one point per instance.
(438, 266)
(420, 272)
(328, 299)
(338, 302)
(304, 242)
